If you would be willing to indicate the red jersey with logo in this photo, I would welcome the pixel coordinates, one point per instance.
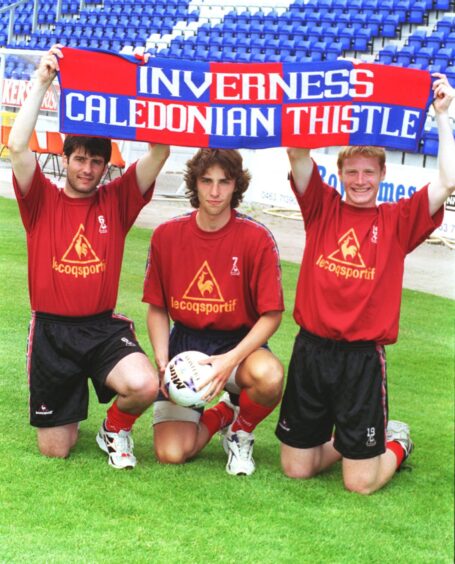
(221, 280)
(350, 281)
(75, 245)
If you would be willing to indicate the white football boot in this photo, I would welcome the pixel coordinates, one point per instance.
(118, 446)
(399, 432)
(239, 448)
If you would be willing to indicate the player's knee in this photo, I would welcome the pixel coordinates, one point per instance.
(359, 484)
(268, 378)
(54, 451)
(143, 386)
(297, 471)
(173, 455)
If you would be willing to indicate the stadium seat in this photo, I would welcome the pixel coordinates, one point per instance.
(417, 13)
(401, 9)
(450, 73)
(363, 40)
(391, 26)
(447, 23)
(347, 38)
(405, 55)
(375, 22)
(387, 55)
(418, 38)
(386, 7)
(444, 57)
(436, 39)
(334, 50)
(424, 56)
(369, 7)
(430, 142)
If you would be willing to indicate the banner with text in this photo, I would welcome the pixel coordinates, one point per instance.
(242, 105)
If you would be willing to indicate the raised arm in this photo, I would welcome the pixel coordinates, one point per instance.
(22, 158)
(301, 167)
(441, 188)
(150, 164)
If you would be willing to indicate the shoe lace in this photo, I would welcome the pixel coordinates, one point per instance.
(245, 443)
(124, 442)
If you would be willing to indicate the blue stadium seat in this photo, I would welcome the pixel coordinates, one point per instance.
(437, 39)
(450, 73)
(401, 9)
(316, 32)
(387, 55)
(363, 40)
(417, 13)
(386, 7)
(257, 57)
(375, 22)
(370, 7)
(447, 23)
(405, 55)
(441, 6)
(391, 26)
(424, 56)
(450, 39)
(358, 20)
(430, 142)
(347, 38)
(334, 50)
(444, 57)
(418, 38)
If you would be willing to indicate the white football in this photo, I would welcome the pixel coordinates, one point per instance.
(183, 375)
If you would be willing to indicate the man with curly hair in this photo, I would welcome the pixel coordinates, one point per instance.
(221, 286)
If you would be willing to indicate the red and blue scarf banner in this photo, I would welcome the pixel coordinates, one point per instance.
(242, 105)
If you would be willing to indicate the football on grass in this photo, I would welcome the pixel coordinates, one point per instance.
(183, 376)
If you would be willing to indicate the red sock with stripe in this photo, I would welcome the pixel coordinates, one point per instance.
(250, 413)
(217, 417)
(117, 420)
(397, 450)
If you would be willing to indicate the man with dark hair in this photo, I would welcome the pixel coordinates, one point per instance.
(75, 241)
(221, 286)
(348, 306)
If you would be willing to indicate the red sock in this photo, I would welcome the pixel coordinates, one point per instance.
(397, 450)
(217, 417)
(250, 414)
(117, 420)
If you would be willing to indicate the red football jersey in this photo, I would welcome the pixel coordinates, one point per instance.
(351, 277)
(75, 245)
(220, 280)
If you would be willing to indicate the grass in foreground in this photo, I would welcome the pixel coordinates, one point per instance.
(81, 510)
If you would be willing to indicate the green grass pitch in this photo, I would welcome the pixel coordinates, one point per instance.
(81, 510)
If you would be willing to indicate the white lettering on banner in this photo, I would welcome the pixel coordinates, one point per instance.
(14, 93)
(335, 119)
(257, 87)
(243, 121)
(155, 115)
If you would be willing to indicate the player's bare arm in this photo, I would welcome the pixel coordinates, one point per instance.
(150, 164)
(441, 188)
(223, 364)
(22, 158)
(158, 327)
(301, 167)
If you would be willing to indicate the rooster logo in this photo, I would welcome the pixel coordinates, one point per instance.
(80, 251)
(80, 247)
(348, 251)
(204, 285)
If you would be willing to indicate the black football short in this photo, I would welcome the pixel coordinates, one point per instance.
(63, 353)
(335, 385)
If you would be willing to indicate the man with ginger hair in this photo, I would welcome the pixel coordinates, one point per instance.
(347, 306)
